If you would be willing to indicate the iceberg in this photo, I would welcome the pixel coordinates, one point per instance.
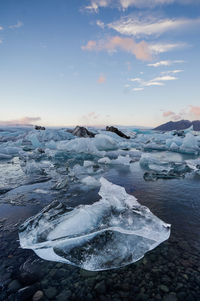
(80, 145)
(112, 232)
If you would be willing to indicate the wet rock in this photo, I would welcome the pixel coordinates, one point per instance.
(64, 295)
(25, 293)
(27, 278)
(116, 131)
(170, 297)
(125, 287)
(50, 292)
(39, 127)
(81, 131)
(100, 287)
(87, 274)
(14, 286)
(182, 296)
(38, 296)
(89, 297)
(3, 296)
(4, 190)
(164, 288)
(179, 133)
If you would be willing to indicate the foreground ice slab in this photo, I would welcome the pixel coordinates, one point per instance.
(113, 232)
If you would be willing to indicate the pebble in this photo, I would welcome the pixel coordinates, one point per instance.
(38, 296)
(100, 287)
(64, 295)
(14, 286)
(50, 292)
(164, 288)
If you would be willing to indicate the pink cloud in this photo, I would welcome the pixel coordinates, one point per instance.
(195, 111)
(168, 113)
(91, 45)
(140, 50)
(176, 117)
(101, 79)
(21, 121)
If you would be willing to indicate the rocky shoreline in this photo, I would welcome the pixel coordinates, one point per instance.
(168, 273)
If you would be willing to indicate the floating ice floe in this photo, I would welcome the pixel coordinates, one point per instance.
(194, 165)
(162, 168)
(113, 232)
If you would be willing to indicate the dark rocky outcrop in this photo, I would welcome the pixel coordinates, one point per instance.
(38, 128)
(179, 125)
(116, 131)
(81, 131)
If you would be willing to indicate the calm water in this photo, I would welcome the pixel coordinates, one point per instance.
(170, 272)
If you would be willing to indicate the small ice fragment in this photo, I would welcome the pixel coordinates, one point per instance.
(90, 181)
(88, 163)
(104, 160)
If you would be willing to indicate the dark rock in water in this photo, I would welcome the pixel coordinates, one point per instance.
(179, 133)
(28, 278)
(64, 295)
(14, 286)
(41, 151)
(38, 296)
(116, 131)
(170, 297)
(50, 292)
(100, 287)
(26, 293)
(179, 125)
(81, 131)
(4, 190)
(38, 128)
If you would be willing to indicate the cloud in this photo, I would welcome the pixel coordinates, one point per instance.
(165, 63)
(139, 50)
(90, 118)
(195, 111)
(142, 50)
(158, 48)
(183, 114)
(1, 27)
(90, 46)
(157, 81)
(164, 78)
(101, 79)
(152, 83)
(17, 25)
(190, 112)
(21, 121)
(142, 26)
(94, 5)
(138, 89)
(168, 113)
(173, 116)
(100, 24)
(171, 71)
(137, 79)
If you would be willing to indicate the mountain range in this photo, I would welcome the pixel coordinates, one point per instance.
(179, 125)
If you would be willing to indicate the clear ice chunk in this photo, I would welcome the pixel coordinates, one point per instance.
(113, 232)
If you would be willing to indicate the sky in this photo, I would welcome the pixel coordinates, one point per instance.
(99, 62)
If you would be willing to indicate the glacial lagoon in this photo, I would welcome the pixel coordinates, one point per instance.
(102, 218)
